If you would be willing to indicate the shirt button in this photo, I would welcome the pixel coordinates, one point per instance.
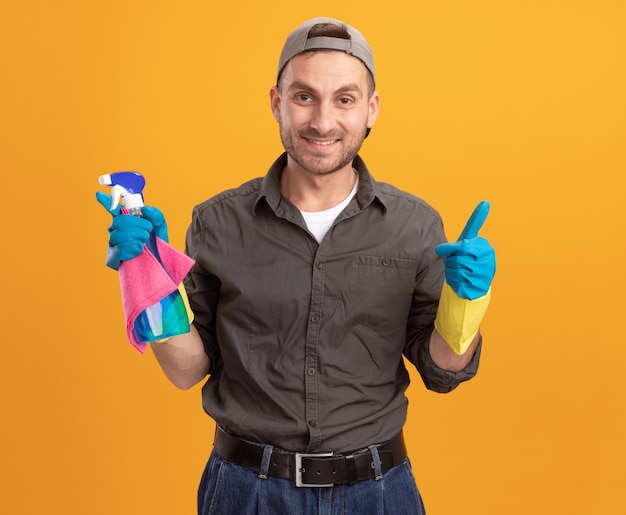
(319, 264)
(315, 319)
(311, 371)
(386, 261)
(312, 423)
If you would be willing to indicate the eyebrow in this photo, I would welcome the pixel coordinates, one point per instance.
(350, 87)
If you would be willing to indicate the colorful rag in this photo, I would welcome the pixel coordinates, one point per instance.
(144, 281)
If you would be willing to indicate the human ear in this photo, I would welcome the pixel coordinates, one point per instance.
(275, 102)
(374, 108)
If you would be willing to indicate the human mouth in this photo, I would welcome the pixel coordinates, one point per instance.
(321, 142)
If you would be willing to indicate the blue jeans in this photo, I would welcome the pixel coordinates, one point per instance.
(227, 489)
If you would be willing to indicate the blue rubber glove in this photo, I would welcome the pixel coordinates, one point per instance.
(129, 233)
(470, 263)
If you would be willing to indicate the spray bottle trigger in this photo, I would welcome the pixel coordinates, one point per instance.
(116, 192)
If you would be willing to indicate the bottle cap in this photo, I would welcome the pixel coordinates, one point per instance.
(133, 201)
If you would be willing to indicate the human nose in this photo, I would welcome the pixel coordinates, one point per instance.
(323, 118)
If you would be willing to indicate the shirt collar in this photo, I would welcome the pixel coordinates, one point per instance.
(368, 188)
(270, 186)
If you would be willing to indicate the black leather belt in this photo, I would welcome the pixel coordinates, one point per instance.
(307, 469)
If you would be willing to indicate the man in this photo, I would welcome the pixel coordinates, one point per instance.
(310, 284)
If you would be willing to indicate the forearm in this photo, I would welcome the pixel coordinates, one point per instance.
(445, 358)
(183, 359)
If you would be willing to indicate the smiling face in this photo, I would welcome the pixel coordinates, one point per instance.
(324, 104)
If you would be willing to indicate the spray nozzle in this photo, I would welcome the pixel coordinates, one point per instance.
(124, 185)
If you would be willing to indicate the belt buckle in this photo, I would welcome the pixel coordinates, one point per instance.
(299, 470)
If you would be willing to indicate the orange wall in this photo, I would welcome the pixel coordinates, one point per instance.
(519, 102)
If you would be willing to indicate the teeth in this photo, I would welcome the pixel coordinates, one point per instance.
(324, 142)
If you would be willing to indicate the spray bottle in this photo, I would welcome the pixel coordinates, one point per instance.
(168, 317)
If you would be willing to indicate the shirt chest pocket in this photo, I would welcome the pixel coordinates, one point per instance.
(382, 290)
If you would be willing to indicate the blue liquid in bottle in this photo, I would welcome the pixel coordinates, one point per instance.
(165, 319)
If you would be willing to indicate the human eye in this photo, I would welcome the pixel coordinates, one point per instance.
(346, 101)
(303, 98)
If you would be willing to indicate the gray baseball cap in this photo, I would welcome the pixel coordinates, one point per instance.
(298, 42)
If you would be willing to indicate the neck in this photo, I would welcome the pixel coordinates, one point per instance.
(311, 192)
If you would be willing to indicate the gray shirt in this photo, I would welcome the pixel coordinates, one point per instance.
(307, 340)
